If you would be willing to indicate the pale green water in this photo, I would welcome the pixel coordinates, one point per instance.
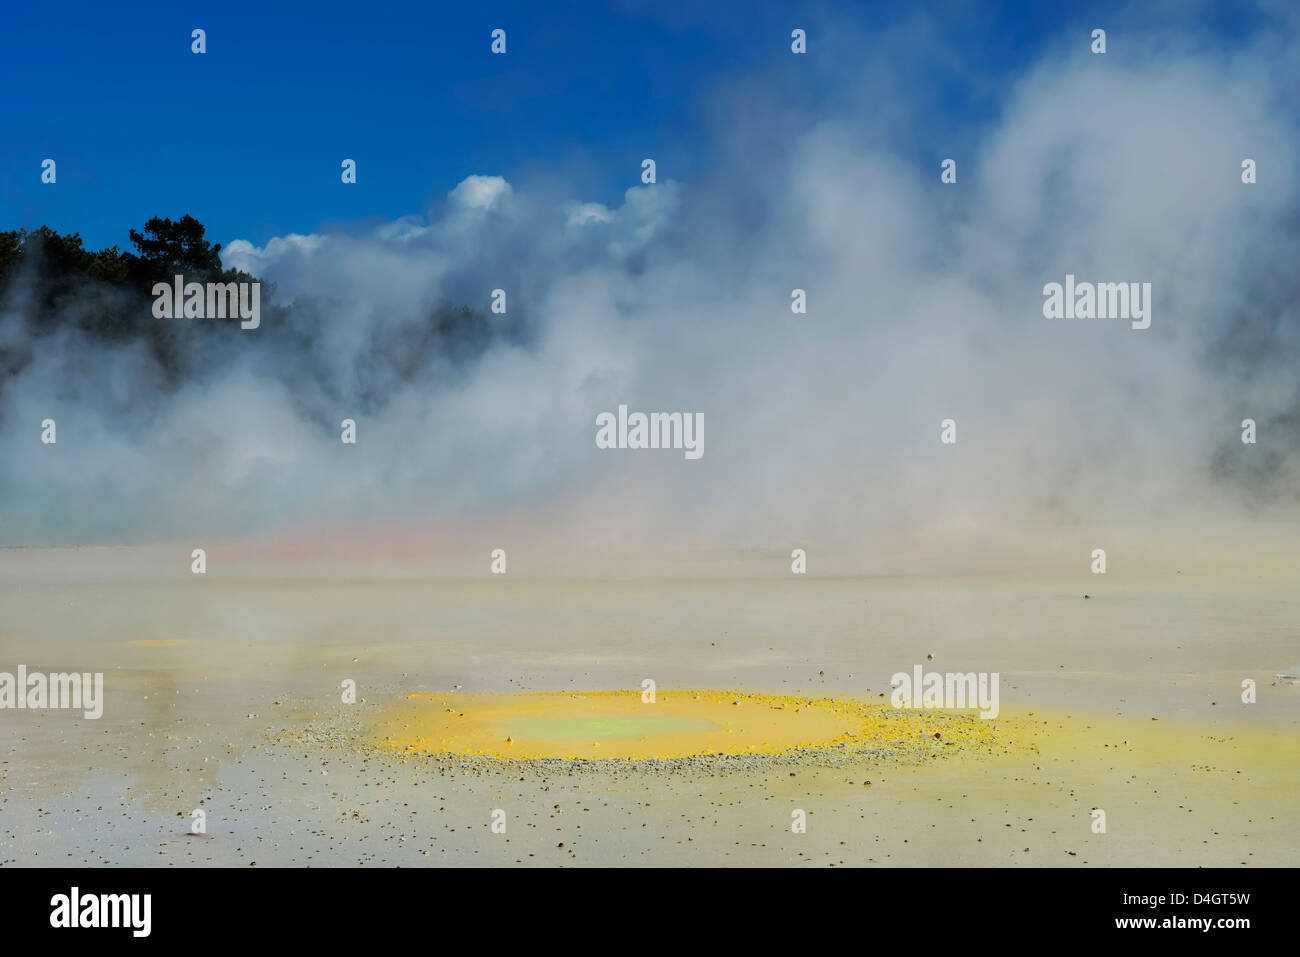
(613, 726)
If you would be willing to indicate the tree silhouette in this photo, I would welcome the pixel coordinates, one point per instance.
(166, 246)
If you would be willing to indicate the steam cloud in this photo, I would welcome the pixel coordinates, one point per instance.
(924, 303)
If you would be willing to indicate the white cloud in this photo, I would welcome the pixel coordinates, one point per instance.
(584, 214)
(479, 192)
(241, 254)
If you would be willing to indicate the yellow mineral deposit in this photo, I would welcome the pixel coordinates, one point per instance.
(618, 724)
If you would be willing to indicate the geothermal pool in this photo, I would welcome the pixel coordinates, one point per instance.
(621, 724)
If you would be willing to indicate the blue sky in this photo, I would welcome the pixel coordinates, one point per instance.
(249, 136)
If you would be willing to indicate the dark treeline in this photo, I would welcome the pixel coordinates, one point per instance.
(54, 284)
(52, 287)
